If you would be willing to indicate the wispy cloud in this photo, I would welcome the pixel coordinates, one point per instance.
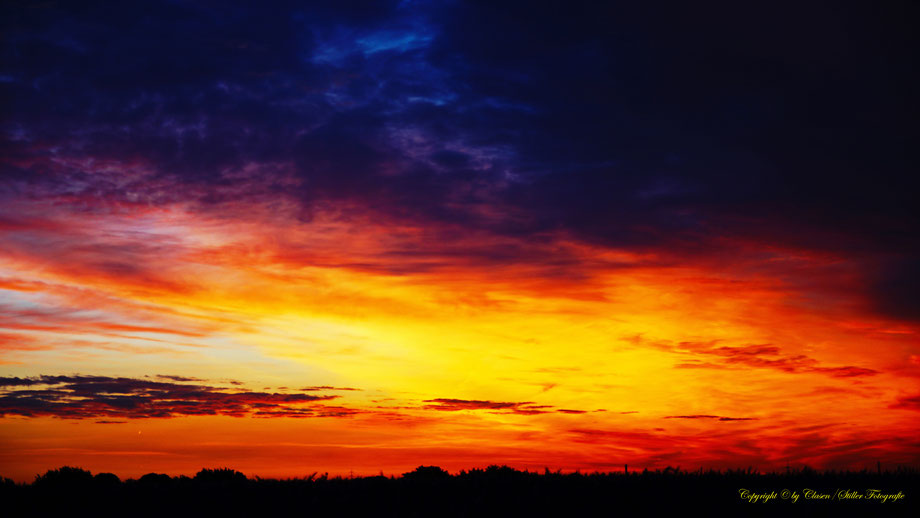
(706, 416)
(521, 408)
(764, 356)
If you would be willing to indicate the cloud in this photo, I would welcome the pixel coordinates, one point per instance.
(326, 387)
(82, 397)
(404, 112)
(68, 319)
(706, 416)
(769, 356)
(895, 288)
(910, 402)
(177, 378)
(834, 451)
(20, 382)
(520, 408)
(647, 440)
(766, 356)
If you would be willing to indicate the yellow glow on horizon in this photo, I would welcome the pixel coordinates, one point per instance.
(627, 348)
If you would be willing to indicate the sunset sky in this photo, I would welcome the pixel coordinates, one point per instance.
(358, 237)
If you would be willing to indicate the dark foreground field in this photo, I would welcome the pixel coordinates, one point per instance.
(430, 491)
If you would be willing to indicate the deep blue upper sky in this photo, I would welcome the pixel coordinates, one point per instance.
(639, 124)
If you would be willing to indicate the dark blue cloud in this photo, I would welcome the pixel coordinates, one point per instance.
(641, 125)
(81, 397)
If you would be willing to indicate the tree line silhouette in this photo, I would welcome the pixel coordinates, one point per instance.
(432, 491)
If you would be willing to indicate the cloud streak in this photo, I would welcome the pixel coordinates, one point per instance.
(763, 356)
(84, 397)
(706, 416)
(520, 408)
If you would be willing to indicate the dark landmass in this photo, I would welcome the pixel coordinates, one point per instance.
(496, 490)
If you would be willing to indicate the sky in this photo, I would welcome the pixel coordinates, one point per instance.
(359, 237)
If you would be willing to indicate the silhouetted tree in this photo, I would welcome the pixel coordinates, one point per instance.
(155, 480)
(65, 476)
(106, 480)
